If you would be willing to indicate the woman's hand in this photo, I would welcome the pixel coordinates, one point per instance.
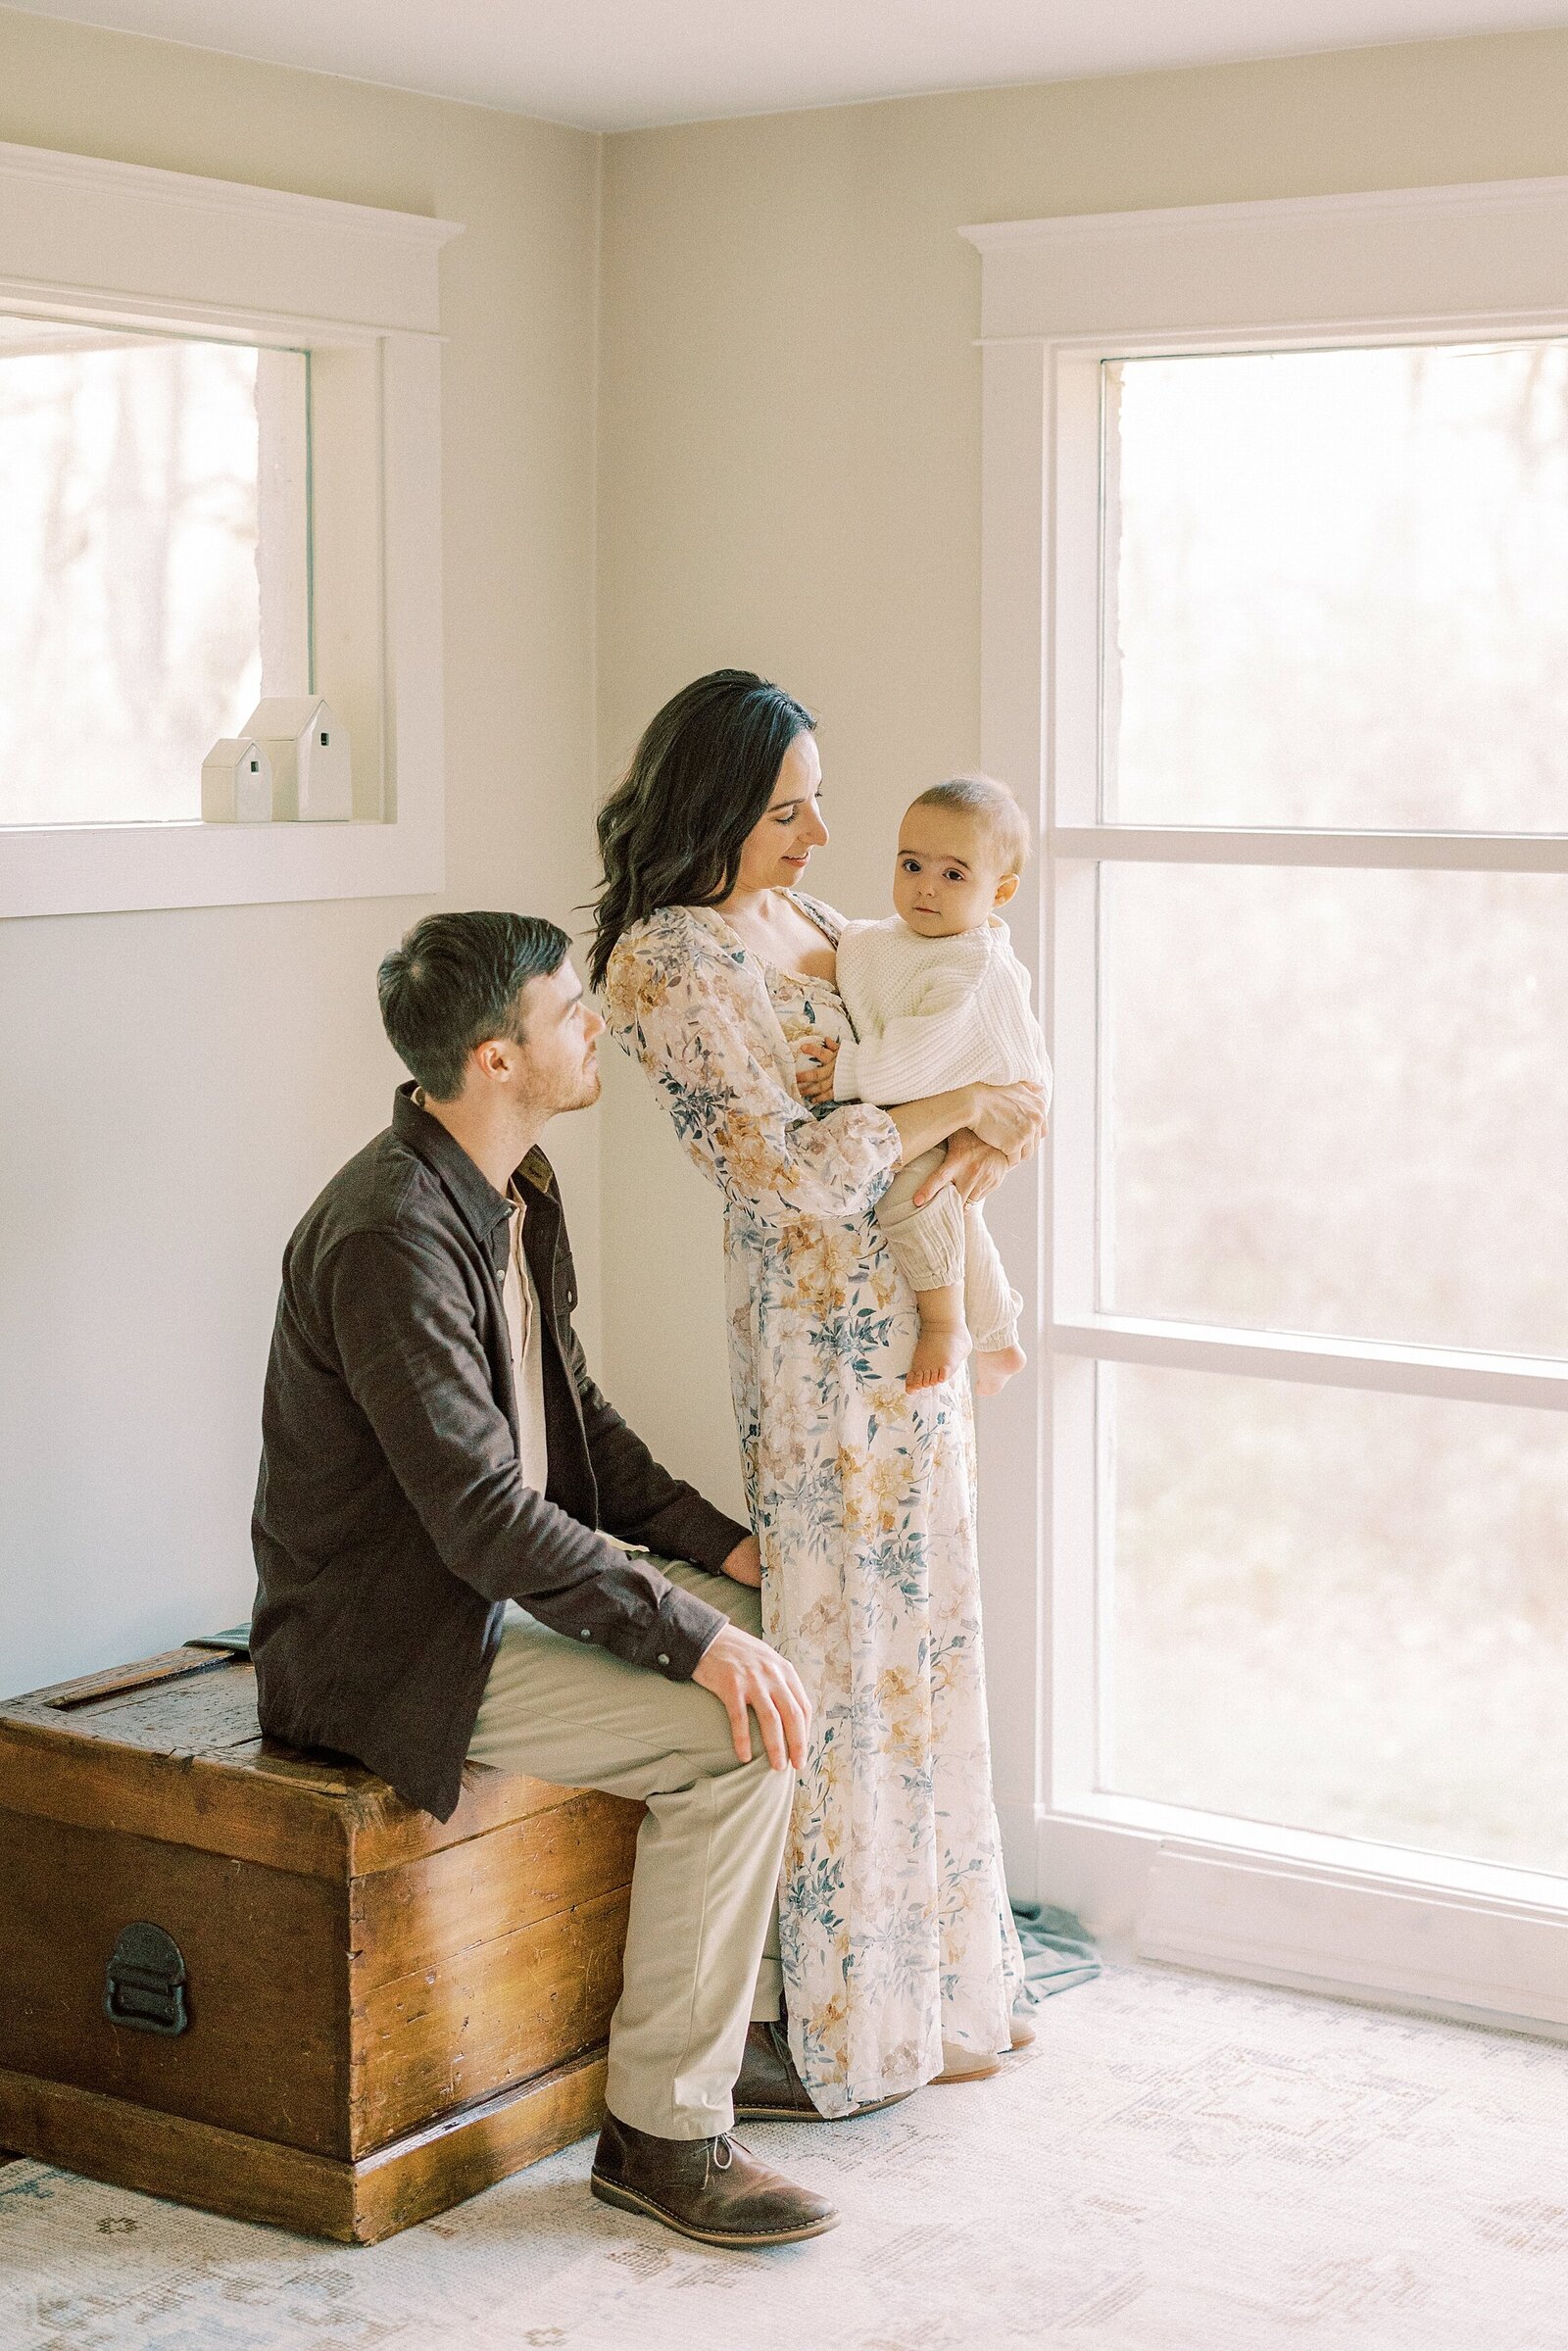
(744, 1564)
(972, 1168)
(816, 1058)
(1011, 1118)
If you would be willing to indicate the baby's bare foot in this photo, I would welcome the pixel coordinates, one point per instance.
(939, 1354)
(996, 1367)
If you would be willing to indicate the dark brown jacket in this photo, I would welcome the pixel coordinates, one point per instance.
(391, 1522)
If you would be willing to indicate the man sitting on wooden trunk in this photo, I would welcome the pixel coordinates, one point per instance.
(464, 1551)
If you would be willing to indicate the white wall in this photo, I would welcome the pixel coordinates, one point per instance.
(175, 1088)
(790, 459)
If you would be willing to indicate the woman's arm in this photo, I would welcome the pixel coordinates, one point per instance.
(1009, 1118)
(699, 1020)
(930, 1120)
(1015, 1125)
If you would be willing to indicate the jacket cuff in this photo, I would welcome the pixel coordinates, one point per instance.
(692, 1529)
(846, 1082)
(682, 1631)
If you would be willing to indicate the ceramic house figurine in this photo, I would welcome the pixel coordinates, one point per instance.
(237, 782)
(308, 747)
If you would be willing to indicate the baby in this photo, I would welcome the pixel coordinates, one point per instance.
(939, 999)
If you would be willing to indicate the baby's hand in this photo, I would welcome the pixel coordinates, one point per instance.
(815, 1058)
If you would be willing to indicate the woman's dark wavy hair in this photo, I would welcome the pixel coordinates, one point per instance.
(671, 833)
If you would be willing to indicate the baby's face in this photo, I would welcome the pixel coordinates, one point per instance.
(947, 876)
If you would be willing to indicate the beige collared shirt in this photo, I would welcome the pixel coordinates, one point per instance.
(525, 1324)
(520, 1301)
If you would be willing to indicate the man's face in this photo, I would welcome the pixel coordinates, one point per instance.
(556, 1065)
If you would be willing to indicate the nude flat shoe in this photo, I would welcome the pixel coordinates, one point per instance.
(963, 2065)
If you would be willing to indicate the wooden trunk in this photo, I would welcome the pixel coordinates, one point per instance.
(381, 2013)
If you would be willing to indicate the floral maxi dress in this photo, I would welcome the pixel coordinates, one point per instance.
(897, 1935)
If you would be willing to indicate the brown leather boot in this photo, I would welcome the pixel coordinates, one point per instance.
(714, 2189)
(770, 2091)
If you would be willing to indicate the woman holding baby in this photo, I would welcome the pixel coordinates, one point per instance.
(848, 1335)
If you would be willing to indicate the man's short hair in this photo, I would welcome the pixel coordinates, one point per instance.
(992, 806)
(453, 982)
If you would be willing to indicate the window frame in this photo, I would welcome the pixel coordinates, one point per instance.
(1058, 297)
(119, 245)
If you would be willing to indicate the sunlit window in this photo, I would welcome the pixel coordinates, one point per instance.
(1337, 589)
(153, 563)
(1333, 1100)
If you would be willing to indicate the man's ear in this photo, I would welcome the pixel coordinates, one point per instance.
(493, 1057)
(1006, 888)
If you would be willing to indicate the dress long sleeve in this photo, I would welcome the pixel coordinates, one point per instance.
(695, 1012)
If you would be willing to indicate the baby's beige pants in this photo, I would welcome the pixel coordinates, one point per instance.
(944, 1242)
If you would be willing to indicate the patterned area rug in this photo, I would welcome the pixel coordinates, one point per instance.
(1179, 2164)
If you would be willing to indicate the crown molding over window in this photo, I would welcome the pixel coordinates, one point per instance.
(168, 242)
(1445, 259)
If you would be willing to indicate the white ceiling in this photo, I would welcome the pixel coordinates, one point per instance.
(619, 65)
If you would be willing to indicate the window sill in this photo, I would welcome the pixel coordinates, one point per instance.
(108, 868)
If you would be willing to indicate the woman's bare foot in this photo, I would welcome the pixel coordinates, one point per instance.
(940, 1352)
(996, 1367)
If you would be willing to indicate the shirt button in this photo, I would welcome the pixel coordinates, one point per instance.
(662, 1659)
(585, 1635)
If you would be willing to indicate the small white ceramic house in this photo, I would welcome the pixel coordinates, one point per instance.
(237, 782)
(309, 748)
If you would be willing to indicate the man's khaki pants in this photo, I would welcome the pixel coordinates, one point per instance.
(701, 1944)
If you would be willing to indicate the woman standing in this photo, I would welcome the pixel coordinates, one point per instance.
(900, 1957)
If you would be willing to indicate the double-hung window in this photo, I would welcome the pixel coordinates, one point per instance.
(1276, 612)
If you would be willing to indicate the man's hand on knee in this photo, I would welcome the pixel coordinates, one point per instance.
(746, 1676)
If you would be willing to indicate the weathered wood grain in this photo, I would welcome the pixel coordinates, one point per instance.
(213, 1807)
(203, 1711)
(432, 1910)
(266, 2049)
(432, 2169)
(254, 2180)
(362, 1977)
(169, 2155)
(65, 1696)
(250, 1798)
(497, 2013)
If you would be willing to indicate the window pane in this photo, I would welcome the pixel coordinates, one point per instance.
(1338, 1103)
(131, 623)
(1337, 589)
(1341, 1611)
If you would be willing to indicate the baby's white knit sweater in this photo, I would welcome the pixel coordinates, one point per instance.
(933, 1013)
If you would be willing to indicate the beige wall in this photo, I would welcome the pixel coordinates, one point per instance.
(177, 1086)
(790, 457)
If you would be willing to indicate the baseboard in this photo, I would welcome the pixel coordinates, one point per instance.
(1477, 1959)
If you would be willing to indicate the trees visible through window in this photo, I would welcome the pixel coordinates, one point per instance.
(153, 563)
(1334, 1093)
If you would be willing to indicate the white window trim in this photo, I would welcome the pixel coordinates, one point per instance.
(118, 245)
(1058, 297)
